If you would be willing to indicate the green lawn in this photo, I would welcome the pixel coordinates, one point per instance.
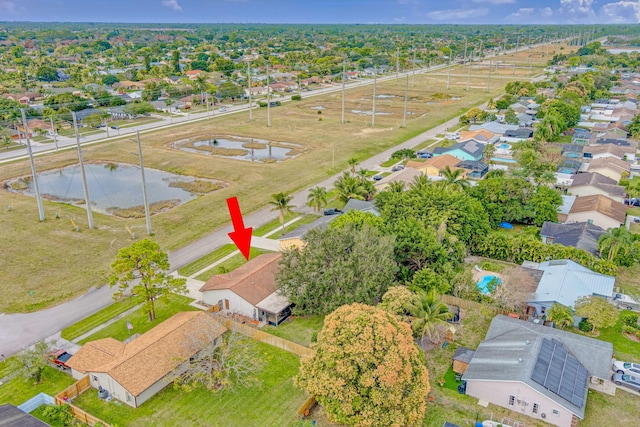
(97, 319)
(38, 413)
(273, 224)
(231, 264)
(164, 310)
(628, 279)
(17, 391)
(4, 366)
(304, 220)
(274, 402)
(297, 329)
(633, 211)
(389, 163)
(623, 347)
(206, 260)
(425, 144)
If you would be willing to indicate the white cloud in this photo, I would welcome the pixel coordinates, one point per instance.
(547, 11)
(7, 6)
(172, 4)
(495, 1)
(577, 11)
(523, 12)
(454, 14)
(621, 12)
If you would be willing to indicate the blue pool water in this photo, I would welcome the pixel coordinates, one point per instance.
(504, 146)
(503, 160)
(483, 283)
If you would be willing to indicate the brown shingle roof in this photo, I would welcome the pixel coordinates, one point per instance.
(144, 361)
(610, 163)
(616, 150)
(441, 162)
(253, 281)
(602, 204)
(604, 183)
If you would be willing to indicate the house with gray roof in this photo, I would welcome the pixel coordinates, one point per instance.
(564, 281)
(469, 150)
(581, 235)
(362, 206)
(538, 371)
(594, 183)
(494, 127)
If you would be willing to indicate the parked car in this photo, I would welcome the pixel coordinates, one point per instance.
(424, 154)
(628, 368)
(397, 168)
(332, 211)
(59, 358)
(377, 177)
(115, 127)
(628, 381)
(636, 220)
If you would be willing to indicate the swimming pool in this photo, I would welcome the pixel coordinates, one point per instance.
(504, 146)
(483, 283)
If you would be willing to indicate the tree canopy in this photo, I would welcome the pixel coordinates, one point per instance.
(337, 266)
(367, 369)
(598, 311)
(144, 260)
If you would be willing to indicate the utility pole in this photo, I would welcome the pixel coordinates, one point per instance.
(249, 82)
(147, 214)
(373, 109)
(344, 72)
(205, 99)
(469, 75)
(489, 81)
(55, 133)
(268, 99)
(515, 60)
(87, 202)
(413, 77)
(406, 98)
(33, 166)
(397, 63)
(449, 72)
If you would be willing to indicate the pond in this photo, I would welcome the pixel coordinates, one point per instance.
(251, 149)
(116, 188)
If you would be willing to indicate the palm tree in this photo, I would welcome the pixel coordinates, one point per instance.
(489, 152)
(353, 162)
(396, 187)
(420, 183)
(560, 315)
(455, 178)
(614, 241)
(5, 136)
(350, 187)
(317, 198)
(281, 202)
(429, 313)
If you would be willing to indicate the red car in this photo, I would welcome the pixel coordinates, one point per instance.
(60, 358)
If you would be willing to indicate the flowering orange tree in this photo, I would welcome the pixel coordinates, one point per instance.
(367, 370)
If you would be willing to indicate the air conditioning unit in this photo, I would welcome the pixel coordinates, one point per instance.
(543, 416)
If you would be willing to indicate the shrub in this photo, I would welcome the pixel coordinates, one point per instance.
(319, 112)
(492, 266)
(262, 104)
(629, 329)
(629, 318)
(296, 98)
(585, 326)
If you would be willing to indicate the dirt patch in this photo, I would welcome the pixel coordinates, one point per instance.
(369, 131)
(138, 211)
(199, 186)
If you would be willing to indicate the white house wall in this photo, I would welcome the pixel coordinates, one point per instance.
(498, 392)
(114, 388)
(151, 391)
(596, 217)
(236, 303)
(589, 190)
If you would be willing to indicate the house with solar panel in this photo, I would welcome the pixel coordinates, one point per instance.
(538, 371)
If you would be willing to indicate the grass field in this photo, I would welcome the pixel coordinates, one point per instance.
(231, 264)
(207, 260)
(274, 402)
(97, 319)
(297, 329)
(164, 310)
(307, 219)
(623, 348)
(55, 250)
(17, 391)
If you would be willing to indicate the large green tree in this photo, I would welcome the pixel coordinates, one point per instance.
(317, 198)
(142, 270)
(560, 315)
(429, 314)
(337, 266)
(615, 241)
(30, 363)
(598, 311)
(367, 370)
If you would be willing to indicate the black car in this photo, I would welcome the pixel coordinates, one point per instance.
(332, 211)
(397, 168)
(115, 127)
(377, 177)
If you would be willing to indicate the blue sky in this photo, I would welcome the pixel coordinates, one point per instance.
(326, 11)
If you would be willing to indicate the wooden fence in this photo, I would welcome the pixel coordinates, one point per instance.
(267, 338)
(72, 391)
(470, 305)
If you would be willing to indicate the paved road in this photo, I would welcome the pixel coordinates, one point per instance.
(19, 331)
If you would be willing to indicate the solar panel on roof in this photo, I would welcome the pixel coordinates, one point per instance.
(560, 372)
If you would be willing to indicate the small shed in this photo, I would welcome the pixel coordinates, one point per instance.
(461, 359)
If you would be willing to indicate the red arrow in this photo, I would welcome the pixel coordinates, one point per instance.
(240, 235)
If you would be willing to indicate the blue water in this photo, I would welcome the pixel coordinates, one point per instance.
(483, 283)
(503, 160)
(504, 146)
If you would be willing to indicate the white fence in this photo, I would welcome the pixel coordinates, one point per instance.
(37, 400)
